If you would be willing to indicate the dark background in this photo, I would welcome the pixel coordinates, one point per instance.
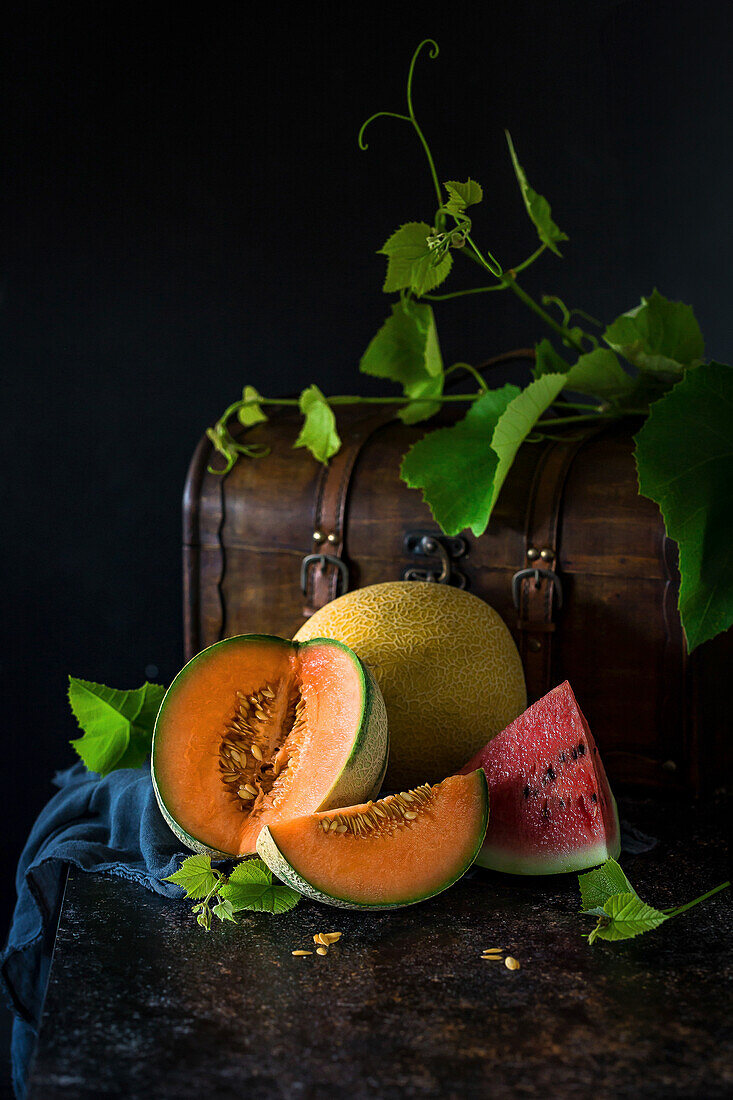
(186, 210)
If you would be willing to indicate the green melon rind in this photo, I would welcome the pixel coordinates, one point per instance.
(365, 767)
(580, 859)
(268, 850)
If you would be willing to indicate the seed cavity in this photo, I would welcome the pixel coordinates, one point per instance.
(382, 817)
(257, 747)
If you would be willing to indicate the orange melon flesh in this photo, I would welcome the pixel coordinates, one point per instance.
(385, 861)
(199, 708)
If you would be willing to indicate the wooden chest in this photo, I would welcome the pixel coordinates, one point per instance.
(574, 560)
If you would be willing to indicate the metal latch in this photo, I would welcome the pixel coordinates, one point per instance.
(539, 575)
(445, 548)
(323, 560)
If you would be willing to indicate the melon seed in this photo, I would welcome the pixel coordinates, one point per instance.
(331, 937)
(410, 816)
(250, 788)
(244, 793)
(511, 963)
(321, 951)
(301, 952)
(256, 752)
(341, 828)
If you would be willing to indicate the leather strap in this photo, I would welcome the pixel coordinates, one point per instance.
(540, 593)
(329, 513)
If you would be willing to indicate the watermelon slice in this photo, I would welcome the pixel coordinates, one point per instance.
(550, 806)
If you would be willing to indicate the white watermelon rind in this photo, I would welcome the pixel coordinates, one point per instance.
(579, 859)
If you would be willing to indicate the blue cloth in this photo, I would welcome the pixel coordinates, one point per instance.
(111, 825)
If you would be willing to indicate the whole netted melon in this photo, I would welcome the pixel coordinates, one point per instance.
(447, 665)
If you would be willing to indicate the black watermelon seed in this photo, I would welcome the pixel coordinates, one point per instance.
(562, 803)
(563, 757)
(551, 774)
(581, 749)
(527, 791)
(574, 754)
(545, 810)
(594, 797)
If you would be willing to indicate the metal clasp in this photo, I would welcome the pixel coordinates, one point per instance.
(426, 544)
(323, 560)
(539, 575)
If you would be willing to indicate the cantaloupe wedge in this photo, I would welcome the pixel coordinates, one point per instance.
(379, 855)
(256, 729)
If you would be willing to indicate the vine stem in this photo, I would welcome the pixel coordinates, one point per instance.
(703, 897)
(523, 296)
(348, 399)
(493, 286)
(483, 388)
(433, 54)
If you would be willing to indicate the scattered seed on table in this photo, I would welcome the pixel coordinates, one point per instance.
(321, 951)
(511, 963)
(331, 937)
(301, 952)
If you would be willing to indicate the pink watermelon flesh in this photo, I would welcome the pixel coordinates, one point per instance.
(550, 806)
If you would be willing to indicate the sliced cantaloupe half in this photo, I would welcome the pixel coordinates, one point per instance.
(256, 729)
(397, 851)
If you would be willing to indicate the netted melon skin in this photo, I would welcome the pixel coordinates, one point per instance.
(446, 663)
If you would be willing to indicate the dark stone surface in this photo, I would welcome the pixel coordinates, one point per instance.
(143, 1003)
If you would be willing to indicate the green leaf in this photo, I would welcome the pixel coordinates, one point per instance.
(318, 433)
(658, 336)
(406, 351)
(251, 886)
(538, 208)
(455, 467)
(411, 262)
(196, 877)
(224, 910)
(461, 195)
(117, 725)
(548, 361)
(251, 414)
(597, 373)
(626, 916)
(684, 457)
(517, 421)
(597, 886)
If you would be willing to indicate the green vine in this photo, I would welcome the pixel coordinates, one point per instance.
(630, 369)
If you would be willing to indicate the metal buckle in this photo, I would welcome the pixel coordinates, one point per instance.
(324, 560)
(539, 575)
